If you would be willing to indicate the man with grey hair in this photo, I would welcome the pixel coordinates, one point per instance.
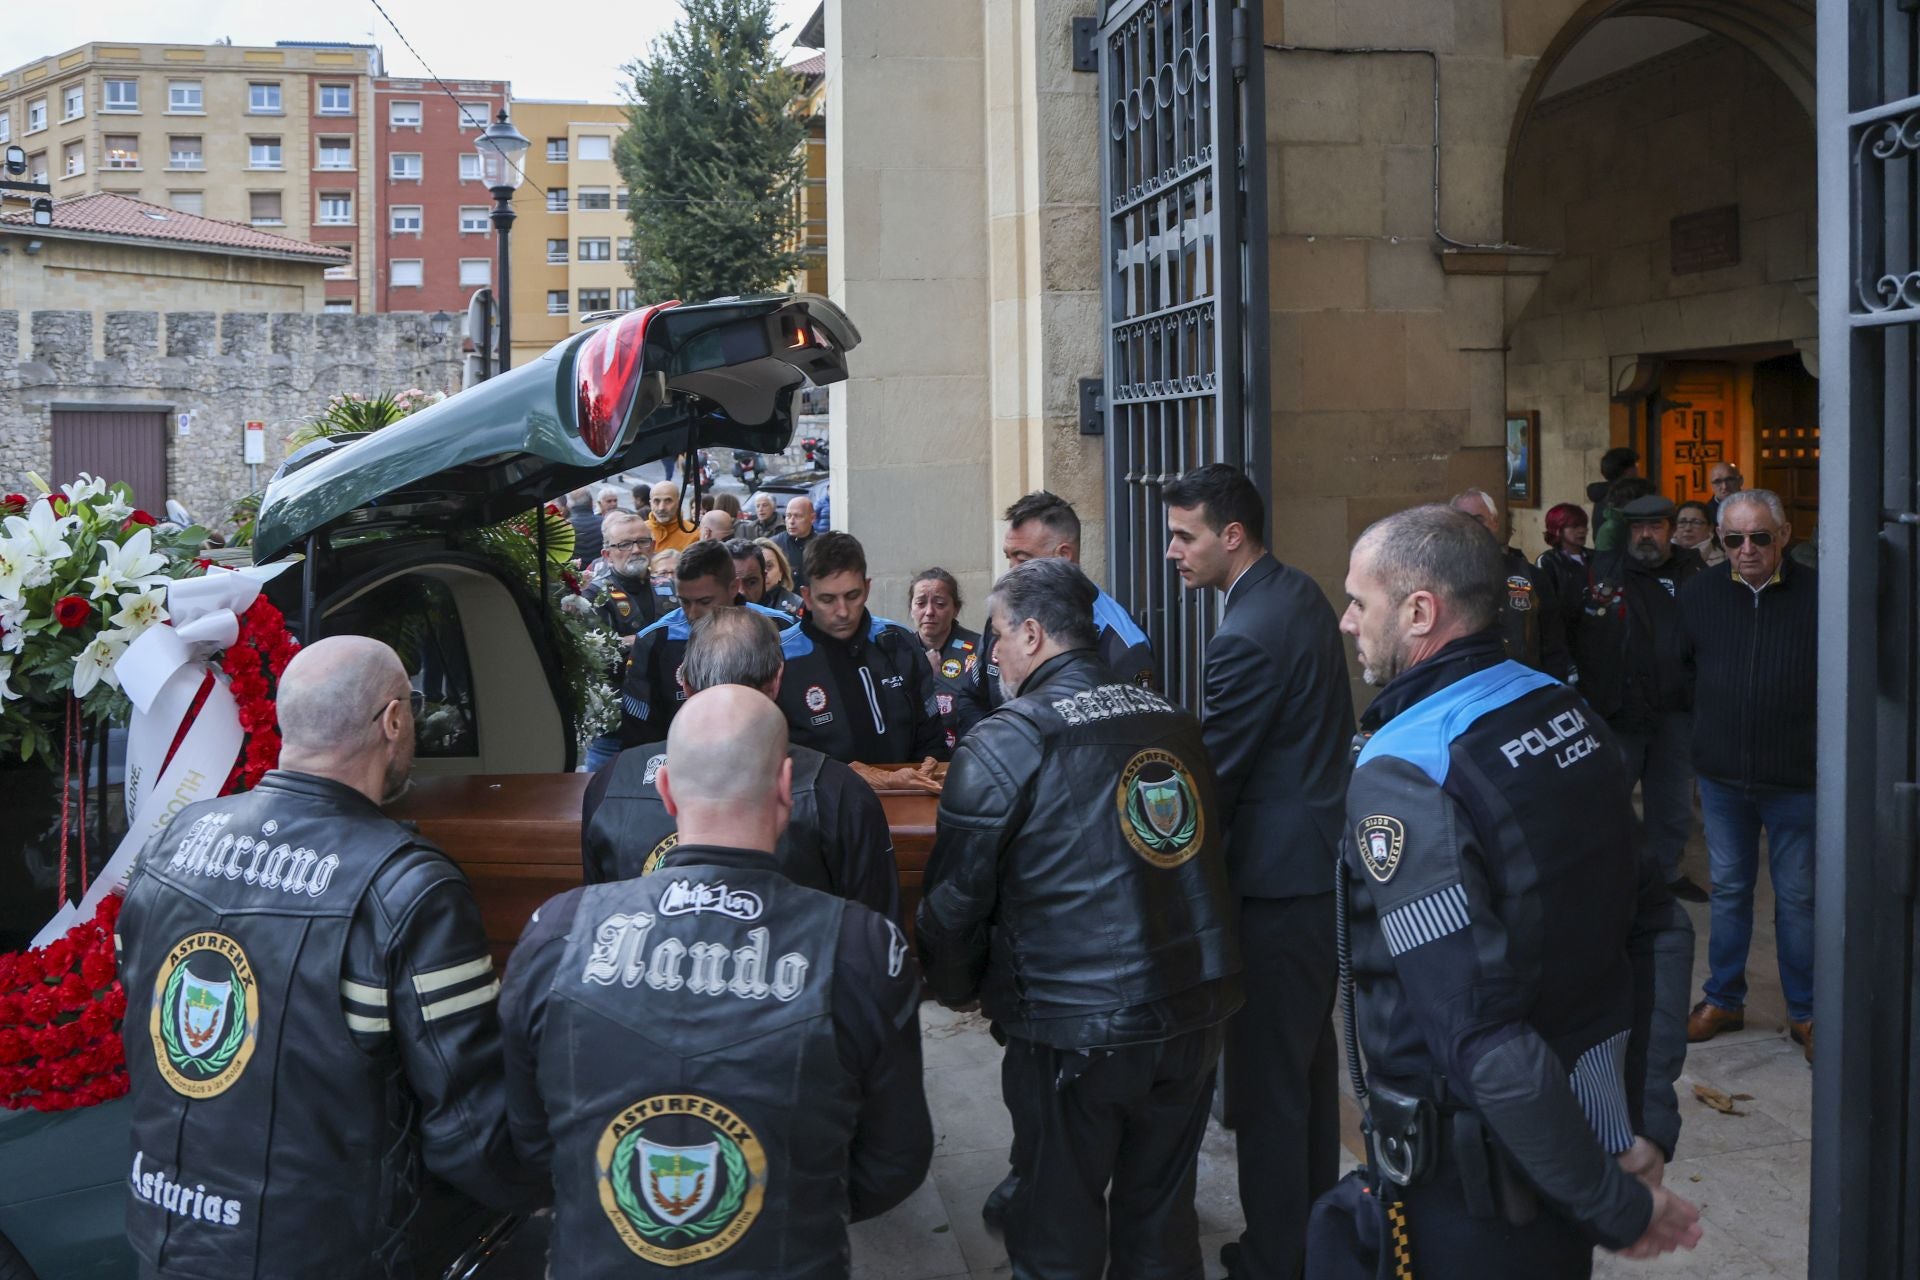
(1532, 621)
(1754, 627)
(719, 1066)
(586, 526)
(1077, 890)
(837, 839)
(324, 1026)
(621, 591)
(1521, 970)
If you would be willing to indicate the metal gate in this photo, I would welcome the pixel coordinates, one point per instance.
(1866, 1119)
(114, 444)
(1183, 187)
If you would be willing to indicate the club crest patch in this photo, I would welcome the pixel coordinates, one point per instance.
(682, 1178)
(653, 769)
(816, 698)
(944, 701)
(205, 1019)
(1520, 593)
(1160, 809)
(950, 668)
(658, 852)
(1381, 841)
(973, 660)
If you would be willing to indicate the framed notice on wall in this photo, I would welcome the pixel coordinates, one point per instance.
(1523, 458)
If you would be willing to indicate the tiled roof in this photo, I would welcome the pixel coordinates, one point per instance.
(814, 66)
(105, 214)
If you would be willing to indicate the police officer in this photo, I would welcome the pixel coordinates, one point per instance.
(1521, 969)
(312, 1026)
(1532, 618)
(952, 650)
(750, 579)
(1630, 642)
(837, 840)
(719, 1066)
(651, 693)
(1078, 891)
(1043, 525)
(856, 687)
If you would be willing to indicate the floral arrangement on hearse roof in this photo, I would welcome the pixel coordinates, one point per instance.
(84, 575)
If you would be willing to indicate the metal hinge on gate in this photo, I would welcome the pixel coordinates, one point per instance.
(1086, 56)
(1093, 406)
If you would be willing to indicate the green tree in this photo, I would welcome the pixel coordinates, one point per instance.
(714, 156)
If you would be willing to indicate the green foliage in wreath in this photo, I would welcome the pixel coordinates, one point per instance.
(214, 1063)
(651, 1227)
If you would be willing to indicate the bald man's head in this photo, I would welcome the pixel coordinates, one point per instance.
(346, 713)
(332, 692)
(727, 780)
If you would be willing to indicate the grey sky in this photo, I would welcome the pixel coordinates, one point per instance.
(574, 52)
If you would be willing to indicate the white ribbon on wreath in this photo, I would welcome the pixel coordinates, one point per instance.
(161, 672)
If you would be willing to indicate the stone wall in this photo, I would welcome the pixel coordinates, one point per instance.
(226, 369)
(1599, 174)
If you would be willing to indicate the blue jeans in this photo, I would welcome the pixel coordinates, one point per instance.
(1734, 816)
(602, 749)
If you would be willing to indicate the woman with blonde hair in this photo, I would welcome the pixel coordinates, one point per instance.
(780, 592)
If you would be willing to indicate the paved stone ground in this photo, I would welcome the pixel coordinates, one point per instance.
(1748, 1173)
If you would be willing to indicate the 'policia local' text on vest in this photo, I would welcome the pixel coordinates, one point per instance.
(699, 1108)
(238, 920)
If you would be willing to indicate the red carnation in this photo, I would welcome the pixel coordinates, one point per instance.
(71, 611)
(139, 519)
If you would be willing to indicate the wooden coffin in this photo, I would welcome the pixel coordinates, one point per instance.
(517, 836)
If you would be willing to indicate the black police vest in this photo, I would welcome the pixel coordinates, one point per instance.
(700, 1113)
(239, 1059)
(632, 831)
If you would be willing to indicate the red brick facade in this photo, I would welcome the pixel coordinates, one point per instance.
(433, 149)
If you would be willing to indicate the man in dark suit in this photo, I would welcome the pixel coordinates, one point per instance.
(1278, 722)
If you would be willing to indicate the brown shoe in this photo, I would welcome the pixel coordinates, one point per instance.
(1802, 1034)
(1708, 1020)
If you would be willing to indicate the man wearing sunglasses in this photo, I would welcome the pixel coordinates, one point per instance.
(1752, 625)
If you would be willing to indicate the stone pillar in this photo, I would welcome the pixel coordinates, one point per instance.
(908, 260)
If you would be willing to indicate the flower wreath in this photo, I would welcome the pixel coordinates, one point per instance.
(61, 1004)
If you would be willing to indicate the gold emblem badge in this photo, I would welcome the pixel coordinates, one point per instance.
(1160, 809)
(681, 1178)
(205, 1019)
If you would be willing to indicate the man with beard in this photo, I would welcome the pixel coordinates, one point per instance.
(1630, 644)
(323, 1029)
(1532, 621)
(622, 593)
(1076, 889)
(1519, 970)
(857, 687)
(750, 579)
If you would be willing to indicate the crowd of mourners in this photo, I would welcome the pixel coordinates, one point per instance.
(709, 1054)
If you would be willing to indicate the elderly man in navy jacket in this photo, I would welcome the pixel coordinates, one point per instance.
(1278, 722)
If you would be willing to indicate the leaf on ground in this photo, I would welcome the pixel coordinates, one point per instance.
(942, 1227)
(1717, 1100)
(1743, 1097)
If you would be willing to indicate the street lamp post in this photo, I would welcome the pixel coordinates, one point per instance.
(501, 146)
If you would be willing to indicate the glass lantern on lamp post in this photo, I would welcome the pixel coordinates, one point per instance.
(501, 147)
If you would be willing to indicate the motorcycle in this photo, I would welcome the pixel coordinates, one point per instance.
(748, 469)
(816, 451)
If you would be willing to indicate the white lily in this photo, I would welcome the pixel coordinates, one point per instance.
(6, 673)
(13, 625)
(95, 664)
(133, 563)
(41, 535)
(88, 487)
(114, 511)
(140, 610)
(17, 565)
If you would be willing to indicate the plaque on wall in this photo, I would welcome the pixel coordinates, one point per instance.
(1523, 458)
(1705, 241)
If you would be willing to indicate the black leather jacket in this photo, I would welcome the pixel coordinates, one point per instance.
(1631, 639)
(326, 1034)
(1077, 886)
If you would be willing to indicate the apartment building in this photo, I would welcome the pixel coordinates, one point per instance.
(436, 244)
(572, 243)
(273, 137)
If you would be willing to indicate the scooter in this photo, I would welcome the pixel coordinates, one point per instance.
(816, 451)
(748, 469)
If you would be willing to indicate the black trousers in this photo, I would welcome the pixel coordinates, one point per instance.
(1351, 1238)
(1283, 1090)
(1106, 1145)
